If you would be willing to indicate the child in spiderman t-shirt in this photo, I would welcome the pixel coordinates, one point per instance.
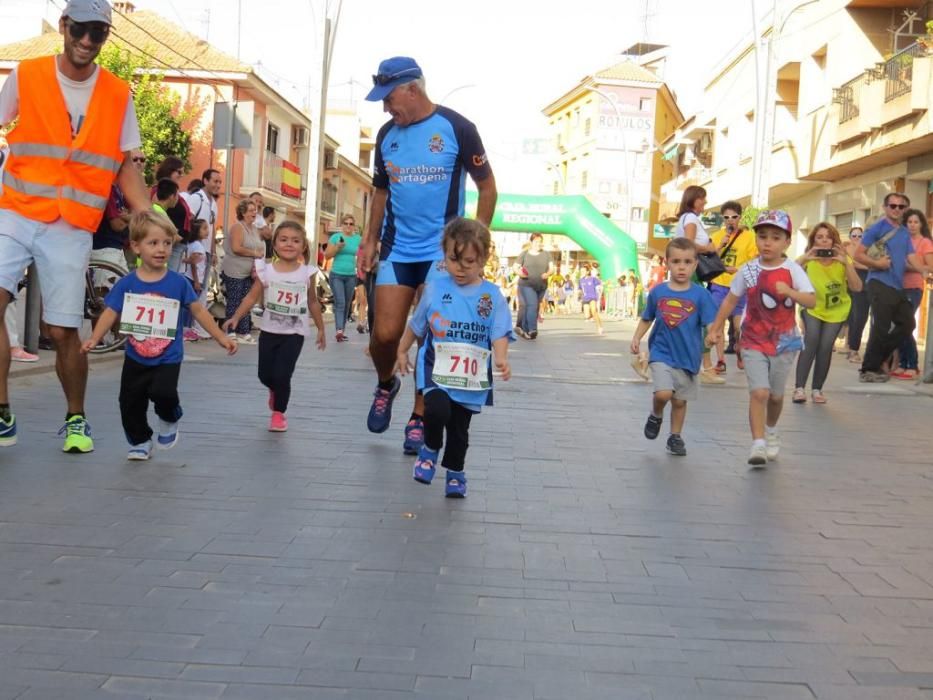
(769, 337)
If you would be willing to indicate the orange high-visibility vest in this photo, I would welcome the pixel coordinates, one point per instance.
(50, 175)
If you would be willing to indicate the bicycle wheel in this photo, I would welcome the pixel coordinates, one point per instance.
(99, 280)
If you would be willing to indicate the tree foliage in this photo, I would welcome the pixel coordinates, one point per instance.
(159, 111)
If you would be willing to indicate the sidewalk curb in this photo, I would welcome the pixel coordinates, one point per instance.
(21, 369)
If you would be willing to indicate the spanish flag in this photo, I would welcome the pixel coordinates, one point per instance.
(291, 180)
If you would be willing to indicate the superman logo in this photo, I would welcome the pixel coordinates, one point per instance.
(675, 311)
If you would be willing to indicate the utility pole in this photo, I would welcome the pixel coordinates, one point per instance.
(322, 59)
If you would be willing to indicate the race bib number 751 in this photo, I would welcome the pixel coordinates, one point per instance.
(145, 315)
(461, 366)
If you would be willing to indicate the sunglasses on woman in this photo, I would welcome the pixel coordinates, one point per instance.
(96, 31)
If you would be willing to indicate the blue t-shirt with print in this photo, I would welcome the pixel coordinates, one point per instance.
(589, 285)
(899, 246)
(679, 317)
(475, 315)
(149, 350)
(423, 166)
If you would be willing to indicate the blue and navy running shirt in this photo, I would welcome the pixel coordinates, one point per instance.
(424, 166)
(475, 315)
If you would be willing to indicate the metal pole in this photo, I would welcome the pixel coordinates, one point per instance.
(228, 170)
(928, 348)
(33, 310)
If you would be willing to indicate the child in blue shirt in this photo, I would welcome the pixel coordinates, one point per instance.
(149, 304)
(678, 310)
(464, 322)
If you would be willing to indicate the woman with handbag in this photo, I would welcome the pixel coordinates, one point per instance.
(709, 265)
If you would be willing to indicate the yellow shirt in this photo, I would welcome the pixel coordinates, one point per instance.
(739, 253)
(832, 291)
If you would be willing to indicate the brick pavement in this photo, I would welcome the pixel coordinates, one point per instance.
(585, 564)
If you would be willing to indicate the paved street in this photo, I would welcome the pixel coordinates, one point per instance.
(585, 564)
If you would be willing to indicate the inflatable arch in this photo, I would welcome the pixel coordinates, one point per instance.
(571, 215)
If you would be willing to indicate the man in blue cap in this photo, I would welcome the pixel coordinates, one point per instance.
(423, 155)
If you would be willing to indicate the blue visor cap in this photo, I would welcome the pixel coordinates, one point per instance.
(393, 72)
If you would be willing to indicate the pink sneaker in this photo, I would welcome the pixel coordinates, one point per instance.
(190, 335)
(20, 355)
(278, 423)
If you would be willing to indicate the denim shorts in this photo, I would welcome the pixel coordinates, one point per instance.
(719, 294)
(61, 253)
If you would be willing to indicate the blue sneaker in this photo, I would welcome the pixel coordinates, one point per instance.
(168, 435)
(456, 485)
(414, 436)
(140, 452)
(380, 413)
(8, 432)
(424, 469)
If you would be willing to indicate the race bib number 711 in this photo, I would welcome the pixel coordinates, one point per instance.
(461, 366)
(145, 315)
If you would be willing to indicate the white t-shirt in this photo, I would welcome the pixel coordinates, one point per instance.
(748, 275)
(196, 271)
(202, 206)
(701, 238)
(77, 97)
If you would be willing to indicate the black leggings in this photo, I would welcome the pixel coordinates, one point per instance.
(140, 384)
(441, 412)
(278, 355)
(818, 342)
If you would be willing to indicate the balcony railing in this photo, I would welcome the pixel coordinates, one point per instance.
(847, 97)
(281, 176)
(899, 72)
(329, 198)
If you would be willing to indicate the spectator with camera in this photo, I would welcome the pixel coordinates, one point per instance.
(833, 275)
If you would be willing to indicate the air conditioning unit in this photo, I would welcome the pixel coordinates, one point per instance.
(330, 160)
(301, 136)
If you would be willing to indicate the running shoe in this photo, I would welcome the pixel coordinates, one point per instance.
(870, 377)
(380, 413)
(676, 446)
(800, 396)
(278, 423)
(456, 485)
(532, 335)
(245, 339)
(772, 446)
(520, 332)
(168, 435)
(8, 432)
(341, 337)
(424, 468)
(653, 426)
(414, 437)
(22, 355)
(709, 376)
(721, 367)
(77, 432)
(818, 396)
(140, 452)
(758, 456)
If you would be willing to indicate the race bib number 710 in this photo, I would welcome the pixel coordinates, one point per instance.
(461, 366)
(145, 315)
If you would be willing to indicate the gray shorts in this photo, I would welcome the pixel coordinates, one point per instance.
(679, 381)
(61, 253)
(768, 371)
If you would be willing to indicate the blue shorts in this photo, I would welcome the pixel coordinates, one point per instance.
(409, 274)
(719, 294)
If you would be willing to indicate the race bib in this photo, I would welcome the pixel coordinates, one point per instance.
(147, 316)
(287, 298)
(461, 366)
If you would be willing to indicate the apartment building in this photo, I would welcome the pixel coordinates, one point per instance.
(851, 115)
(606, 130)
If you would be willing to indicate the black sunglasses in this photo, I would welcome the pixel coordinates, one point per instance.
(139, 159)
(897, 206)
(381, 79)
(726, 216)
(95, 30)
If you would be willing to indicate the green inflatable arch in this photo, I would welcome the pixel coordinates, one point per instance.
(570, 215)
